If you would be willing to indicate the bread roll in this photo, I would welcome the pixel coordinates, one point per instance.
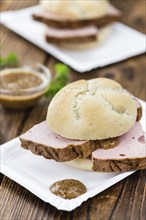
(82, 164)
(95, 109)
(76, 9)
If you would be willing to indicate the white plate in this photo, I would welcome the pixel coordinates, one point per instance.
(36, 174)
(124, 42)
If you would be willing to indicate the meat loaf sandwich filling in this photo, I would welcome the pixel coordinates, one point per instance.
(91, 125)
(71, 23)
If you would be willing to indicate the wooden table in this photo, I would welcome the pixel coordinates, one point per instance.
(124, 201)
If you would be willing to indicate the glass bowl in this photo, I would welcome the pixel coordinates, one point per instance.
(23, 87)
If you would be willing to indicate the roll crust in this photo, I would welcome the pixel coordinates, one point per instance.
(91, 110)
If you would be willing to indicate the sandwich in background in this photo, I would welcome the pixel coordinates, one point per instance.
(77, 24)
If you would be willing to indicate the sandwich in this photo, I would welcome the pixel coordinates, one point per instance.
(91, 125)
(77, 24)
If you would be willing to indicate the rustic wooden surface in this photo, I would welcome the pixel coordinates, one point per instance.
(124, 201)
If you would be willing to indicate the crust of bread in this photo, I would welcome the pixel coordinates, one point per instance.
(76, 9)
(139, 113)
(81, 108)
(82, 164)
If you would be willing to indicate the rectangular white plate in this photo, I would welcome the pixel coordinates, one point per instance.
(124, 42)
(36, 174)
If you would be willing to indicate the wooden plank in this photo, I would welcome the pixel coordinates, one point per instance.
(36, 114)
(134, 13)
(133, 199)
(13, 43)
(110, 204)
(12, 121)
(28, 205)
(129, 73)
(16, 4)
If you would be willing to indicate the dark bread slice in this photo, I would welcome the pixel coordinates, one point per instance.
(62, 22)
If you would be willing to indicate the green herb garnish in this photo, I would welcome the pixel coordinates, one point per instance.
(60, 80)
(10, 61)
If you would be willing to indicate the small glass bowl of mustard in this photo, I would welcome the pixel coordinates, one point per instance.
(23, 87)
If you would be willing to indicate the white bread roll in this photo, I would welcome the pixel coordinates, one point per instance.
(82, 164)
(77, 9)
(103, 35)
(95, 109)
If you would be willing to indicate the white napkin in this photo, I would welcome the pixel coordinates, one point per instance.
(124, 42)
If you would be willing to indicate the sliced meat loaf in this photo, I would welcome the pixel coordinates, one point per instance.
(42, 141)
(130, 154)
(81, 35)
(58, 21)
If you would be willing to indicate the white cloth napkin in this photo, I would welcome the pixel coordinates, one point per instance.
(124, 42)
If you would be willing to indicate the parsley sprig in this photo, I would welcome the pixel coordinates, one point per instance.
(10, 61)
(60, 80)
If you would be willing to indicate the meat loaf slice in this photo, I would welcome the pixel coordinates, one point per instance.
(58, 21)
(42, 141)
(130, 154)
(86, 34)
